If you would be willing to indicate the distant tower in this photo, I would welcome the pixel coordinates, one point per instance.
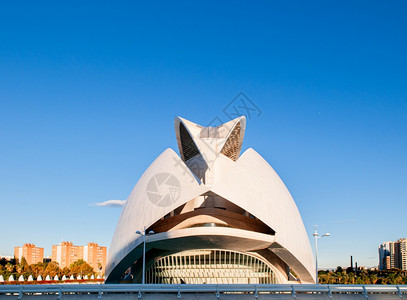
(386, 255)
(351, 262)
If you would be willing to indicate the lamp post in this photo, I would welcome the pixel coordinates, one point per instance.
(144, 251)
(317, 236)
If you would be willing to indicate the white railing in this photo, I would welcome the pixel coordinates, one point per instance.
(216, 289)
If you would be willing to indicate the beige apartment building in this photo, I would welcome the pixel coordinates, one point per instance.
(66, 253)
(95, 256)
(31, 253)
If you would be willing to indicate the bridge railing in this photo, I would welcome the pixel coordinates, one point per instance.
(216, 289)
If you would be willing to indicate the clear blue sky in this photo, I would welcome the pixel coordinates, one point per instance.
(89, 90)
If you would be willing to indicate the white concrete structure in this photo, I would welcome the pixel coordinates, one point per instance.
(235, 207)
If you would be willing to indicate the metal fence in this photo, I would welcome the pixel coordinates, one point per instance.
(217, 290)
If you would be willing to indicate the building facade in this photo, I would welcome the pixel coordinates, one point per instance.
(30, 252)
(393, 255)
(403, 253)
(384, 256)
(95, 256)
(210, 215)
(66, 253)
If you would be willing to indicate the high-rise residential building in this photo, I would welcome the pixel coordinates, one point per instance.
(31, 253)
(384, 255)
(403, 253)
(95, 256)
(393, 255)
(66, 253)
(387, 256)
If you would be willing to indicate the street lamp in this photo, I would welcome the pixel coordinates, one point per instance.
(317, 236)
(144, 250)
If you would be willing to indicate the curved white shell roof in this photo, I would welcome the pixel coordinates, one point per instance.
(249, 182)
(261, 192)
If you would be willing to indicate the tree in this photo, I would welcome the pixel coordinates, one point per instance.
(52, 269)
(373, 278)
(3, 261)
(23, 266)
(38, 269)
(65, 271)
(80, 267)
(10, 267)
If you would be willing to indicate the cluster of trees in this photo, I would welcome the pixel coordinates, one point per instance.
(352, 276)
(17, 268)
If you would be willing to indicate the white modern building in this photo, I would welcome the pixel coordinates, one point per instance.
(218, 216)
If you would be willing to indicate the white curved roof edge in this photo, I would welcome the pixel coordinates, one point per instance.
(168, 161)
(147, 213)
(261, 192)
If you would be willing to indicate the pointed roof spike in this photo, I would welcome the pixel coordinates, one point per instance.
(209, 142)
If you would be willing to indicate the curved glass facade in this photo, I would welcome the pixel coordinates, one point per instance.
(210, 267)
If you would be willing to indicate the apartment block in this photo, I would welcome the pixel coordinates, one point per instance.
(66, 253)
(95, 256)
(31, 253)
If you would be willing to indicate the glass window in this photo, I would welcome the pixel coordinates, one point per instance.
(210, 266)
